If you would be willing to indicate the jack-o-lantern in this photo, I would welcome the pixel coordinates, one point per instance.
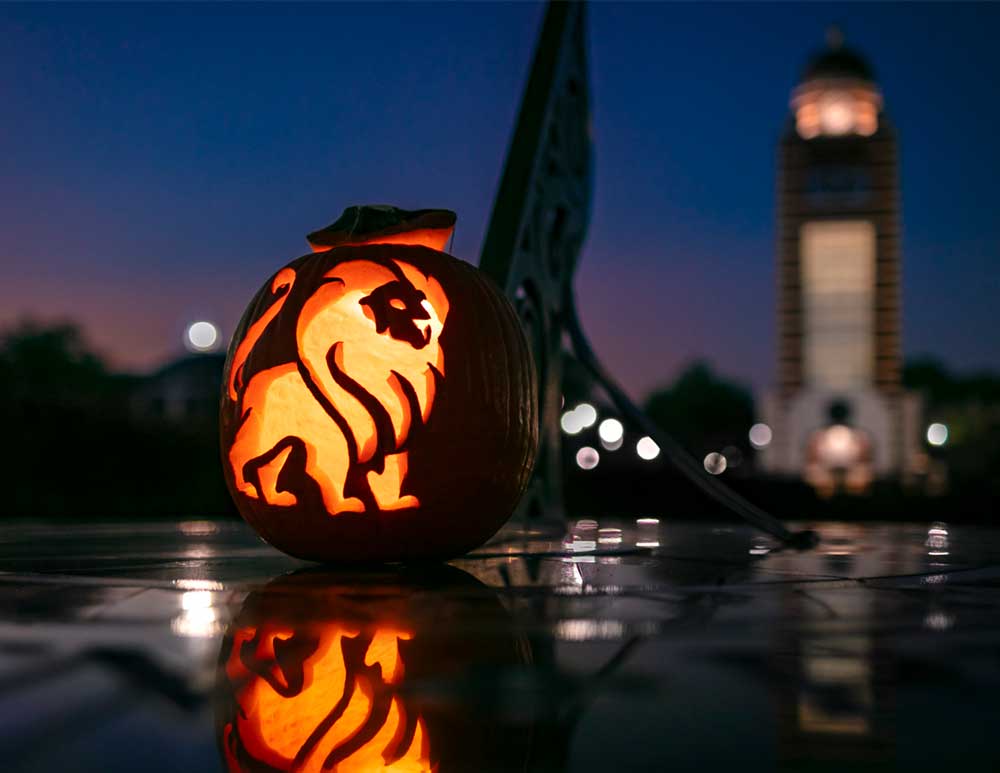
(379, 397)
(322, 673)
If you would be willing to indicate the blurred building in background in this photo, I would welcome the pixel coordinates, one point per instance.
(184, 392)
(839, 417)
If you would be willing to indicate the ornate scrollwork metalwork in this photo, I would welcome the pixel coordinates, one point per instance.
(540, 219)
(532, 247)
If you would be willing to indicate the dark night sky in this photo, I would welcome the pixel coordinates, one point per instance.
(160, 161)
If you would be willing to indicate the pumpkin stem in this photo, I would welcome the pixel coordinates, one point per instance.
(383, 224)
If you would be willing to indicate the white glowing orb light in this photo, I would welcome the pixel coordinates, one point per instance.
(647, 449)
(715, 463)
(201, 336)
(586, 415)
(760, 436)
(611, 431)
(587, 458)
(937, 434)
(570, 423)
(580, 418)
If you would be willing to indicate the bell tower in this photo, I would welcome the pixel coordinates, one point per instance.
(838, 415)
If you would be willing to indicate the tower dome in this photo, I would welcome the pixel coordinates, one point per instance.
(838, 61)
(837, 95)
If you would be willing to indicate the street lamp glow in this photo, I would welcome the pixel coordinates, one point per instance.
(587, 458)
(611, 431)
(760, 435)
(586, 414)
(647, 449)
(578, 419)
(570, 423)
(201, 336)
(715, 463)
(937, 434)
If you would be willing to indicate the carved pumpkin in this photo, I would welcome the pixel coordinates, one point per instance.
(379, 397)
(320, 672)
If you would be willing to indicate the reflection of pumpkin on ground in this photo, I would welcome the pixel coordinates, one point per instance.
(321, 698)
(379, 399)
(321, 672)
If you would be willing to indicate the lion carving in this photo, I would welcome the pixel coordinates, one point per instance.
(322, 697)
(367, 365)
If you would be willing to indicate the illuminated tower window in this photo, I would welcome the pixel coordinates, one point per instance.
(838, 283)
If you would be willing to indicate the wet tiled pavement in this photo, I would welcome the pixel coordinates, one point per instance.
(638, 645)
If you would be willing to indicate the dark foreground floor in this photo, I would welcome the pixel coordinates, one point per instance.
(192, 646)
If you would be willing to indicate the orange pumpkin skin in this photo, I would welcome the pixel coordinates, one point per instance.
(357, 673)
(379, 404)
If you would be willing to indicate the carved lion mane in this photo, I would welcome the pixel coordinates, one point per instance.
(367, 367)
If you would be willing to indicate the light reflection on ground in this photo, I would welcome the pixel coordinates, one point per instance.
(641, 643)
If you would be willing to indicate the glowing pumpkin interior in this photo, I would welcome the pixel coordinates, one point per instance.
(367, 369)
(320, 698)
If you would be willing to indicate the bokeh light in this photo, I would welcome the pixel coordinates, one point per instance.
(715, 463)
(201, 336)
(586, 414)
(587, 458)
(570, 423)
(647, 448)
(937, 434)
(760, 435)
(611, 431)
(578, 419)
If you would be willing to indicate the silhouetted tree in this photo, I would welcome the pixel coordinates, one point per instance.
(702, 411)
(50, 365)
(940, 386)
(970, 406)
(73, 447)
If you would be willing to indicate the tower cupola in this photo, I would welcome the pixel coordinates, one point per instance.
(837, 95)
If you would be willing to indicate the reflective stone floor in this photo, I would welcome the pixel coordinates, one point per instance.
(637, 646)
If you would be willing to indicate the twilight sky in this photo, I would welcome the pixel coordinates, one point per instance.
(160, 161)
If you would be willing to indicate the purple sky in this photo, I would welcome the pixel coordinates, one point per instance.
(161, 160)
